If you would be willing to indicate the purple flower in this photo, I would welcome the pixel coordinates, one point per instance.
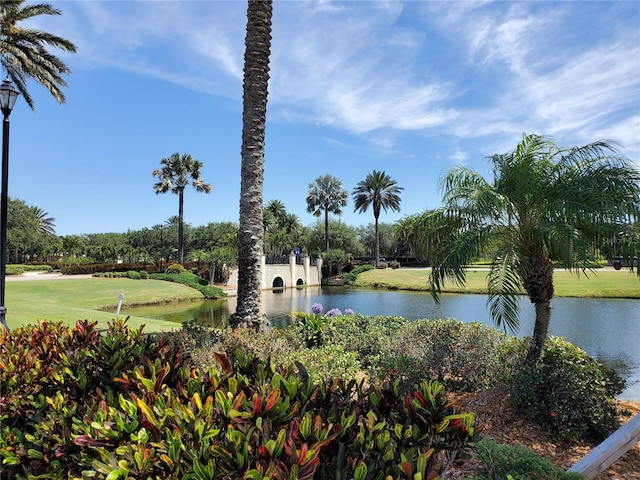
(348, 311)
(316, 308)
(334, 312)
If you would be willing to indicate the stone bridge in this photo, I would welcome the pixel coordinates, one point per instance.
(289, 275)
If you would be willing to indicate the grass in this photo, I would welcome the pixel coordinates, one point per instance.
(604, 283)
(69, 300)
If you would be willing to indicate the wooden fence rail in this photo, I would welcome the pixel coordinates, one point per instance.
(616, 445)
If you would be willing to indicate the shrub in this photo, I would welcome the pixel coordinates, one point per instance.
(394, 264)
(462, 356)
(309, 327)
(175, 268)
(351, 276)
(498, 462)
(14, 269)
(132, 274)
(568, 392)
(193, 281)
(144, 275)
(125, 405)
(367, 336)
(81, 266)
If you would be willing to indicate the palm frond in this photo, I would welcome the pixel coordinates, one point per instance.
(505, 287)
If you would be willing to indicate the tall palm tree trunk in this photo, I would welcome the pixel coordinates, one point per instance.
(181, 227)
(254, 116)
(377, 232)
(326, 229)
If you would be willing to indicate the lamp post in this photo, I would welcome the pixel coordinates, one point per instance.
(8, 97)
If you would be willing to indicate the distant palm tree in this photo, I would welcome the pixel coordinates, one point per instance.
(44, 223)
(174, 176)
(381, 192)
(23, 51)
(546, 203)
(326, 195)
(277, 210)
(254, 117)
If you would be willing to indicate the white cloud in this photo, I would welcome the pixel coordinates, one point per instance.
(460, 69)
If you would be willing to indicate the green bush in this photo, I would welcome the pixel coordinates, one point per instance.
(175, 268)
(350, 277)
(133, 275)
(73, 267)
(309, 327)
(144, 274)
(568, 392)
(13, 269)
(77, 404)
(367, 336)
(499, 462)
(191, 280)
(462, 356)
(36, 267)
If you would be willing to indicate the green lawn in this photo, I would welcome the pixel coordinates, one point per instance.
(68, 300)
(603, 283)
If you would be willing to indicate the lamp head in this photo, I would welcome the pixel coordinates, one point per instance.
(8, 96)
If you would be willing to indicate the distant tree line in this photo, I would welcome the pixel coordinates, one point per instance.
(31, 238)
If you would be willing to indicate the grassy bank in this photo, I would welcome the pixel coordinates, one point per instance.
(605, 283)
(71, 299)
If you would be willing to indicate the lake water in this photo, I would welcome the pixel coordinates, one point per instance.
(607, 329)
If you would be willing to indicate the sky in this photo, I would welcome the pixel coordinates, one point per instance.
(410, 88)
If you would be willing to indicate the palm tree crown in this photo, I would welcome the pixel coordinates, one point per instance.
(176, 173)
(381, 192)
(23, 51)
(44, 223)
(326, 195)
(546, 204)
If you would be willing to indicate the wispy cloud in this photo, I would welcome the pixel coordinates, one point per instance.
(460, 69)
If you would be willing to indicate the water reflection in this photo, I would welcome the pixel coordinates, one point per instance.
(608, 329)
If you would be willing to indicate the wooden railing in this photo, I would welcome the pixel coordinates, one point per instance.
(616, 445)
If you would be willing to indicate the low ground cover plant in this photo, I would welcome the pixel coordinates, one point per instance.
(515, 462)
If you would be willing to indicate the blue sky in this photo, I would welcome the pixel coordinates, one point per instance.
(411, 88)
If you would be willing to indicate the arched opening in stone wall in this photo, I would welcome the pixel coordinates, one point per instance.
(300, 282)
(277, 284)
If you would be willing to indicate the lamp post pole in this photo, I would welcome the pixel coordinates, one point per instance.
(8, 96)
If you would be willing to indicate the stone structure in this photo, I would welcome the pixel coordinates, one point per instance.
(289, 275)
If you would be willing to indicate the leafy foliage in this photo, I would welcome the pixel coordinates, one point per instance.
(124, 405)
(463, 357)
(568, 392)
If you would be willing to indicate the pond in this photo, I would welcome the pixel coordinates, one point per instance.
(608, 329)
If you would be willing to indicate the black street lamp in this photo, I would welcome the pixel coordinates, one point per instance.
(8, 97)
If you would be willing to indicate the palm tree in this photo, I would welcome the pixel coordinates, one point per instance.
(326, 195)
(381, 192)
(174, 176)
(546, 203)
(44, 223)
(254, 117)
(23, 51)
